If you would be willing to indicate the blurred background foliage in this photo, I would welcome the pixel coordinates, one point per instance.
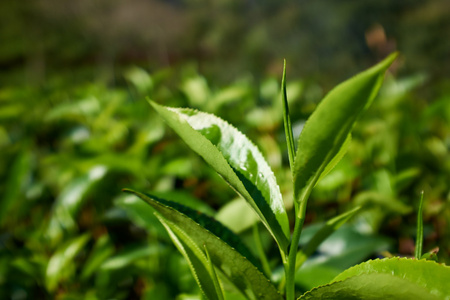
(75, 129)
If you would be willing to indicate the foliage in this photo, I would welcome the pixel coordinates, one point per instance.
(71, 142)
(321, 144)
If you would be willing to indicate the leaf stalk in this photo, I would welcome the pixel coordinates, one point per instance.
(419, 235)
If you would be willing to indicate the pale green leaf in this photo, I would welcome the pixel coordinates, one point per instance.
(130, 255)
(204, 231)
(60, 266)
(69, 202)
(237, 160)
(328, 127)
(237, 215)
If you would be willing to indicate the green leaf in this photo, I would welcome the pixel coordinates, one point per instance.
(327, 229)
(204, 231)
(203, 220)
(337, 158)
(330, 124)
(370, 287)
(199, 263)
(429, 275)
(60, 266)
(419, 235)
(237, 160)
(102, 250)
(287, 120)
(212, 270)
(432, 255)
(344, 248)
(69, 203)
(17, 178)
(130, 255)
(237, 215)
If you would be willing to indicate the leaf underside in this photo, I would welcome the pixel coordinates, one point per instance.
(197, 260)
(235, 267)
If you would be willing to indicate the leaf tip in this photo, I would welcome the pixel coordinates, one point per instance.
(151, 102)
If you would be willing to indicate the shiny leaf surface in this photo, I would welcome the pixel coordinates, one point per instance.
(237, 160)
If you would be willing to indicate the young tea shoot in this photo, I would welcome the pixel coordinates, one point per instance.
(222, 264)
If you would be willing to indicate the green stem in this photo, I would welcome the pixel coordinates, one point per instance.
(292, 256)
(419, 235)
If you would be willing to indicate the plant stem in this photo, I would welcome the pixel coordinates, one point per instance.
(419, 234)
(292, 256)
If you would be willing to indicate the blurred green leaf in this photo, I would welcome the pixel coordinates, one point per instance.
(102, 250)
(128, 256)
(323, 233)
(69, 202)
(196, 90)
(341, 250)
(61, 266)
(237, 215)
(16, 181)
(79, 108)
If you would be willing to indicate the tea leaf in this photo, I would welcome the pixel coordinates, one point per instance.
(287, 120)
(372, 287)
(328, 127)
(337, 158)
(429, 275)
(60, 264)
(102, 250)
(237, 160)
(419, 235)
(69, 202)
(20, 169)
(214, 277)
(237, 268)
(200, 265)
(210, 224)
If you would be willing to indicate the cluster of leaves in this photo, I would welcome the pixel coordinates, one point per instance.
(68, 147)
(211, 249)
